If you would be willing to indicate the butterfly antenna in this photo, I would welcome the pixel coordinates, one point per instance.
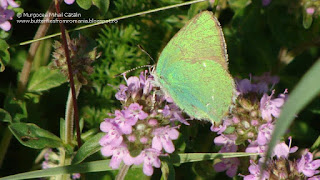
(143, 50)
(133, 69)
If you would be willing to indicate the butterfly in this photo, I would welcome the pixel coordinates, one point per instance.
(193, 69)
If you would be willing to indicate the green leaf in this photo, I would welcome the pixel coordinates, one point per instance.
(84, 4)
(95, 166)
(316, 144)
(16, 108)
(88, 148)
(103, 165)
(33, 136)
(5, 116)
(4, 55)
(103, 5)
(62, 129)
(44, 79)
(301, 95)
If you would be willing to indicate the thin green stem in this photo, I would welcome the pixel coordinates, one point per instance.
(63, 161)
(70, 114)
(114, 19)
(123, 172)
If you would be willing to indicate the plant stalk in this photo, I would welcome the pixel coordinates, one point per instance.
(70, 72)
(69, 117)
(123, 172)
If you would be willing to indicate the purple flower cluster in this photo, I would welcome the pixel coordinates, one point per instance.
(144, 129)
(51, 159)
(6, 14)
(251, 121)
(250, 128)
(280, 167)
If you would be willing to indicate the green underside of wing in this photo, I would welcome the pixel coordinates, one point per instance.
(193, 69)
(200, 38)
(204, 90)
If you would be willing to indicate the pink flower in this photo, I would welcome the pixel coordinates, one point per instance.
(264, 133)
(174, 113)
(5, 15)
(76, 176)
(229, 164)
(225, 139)
(255, 173)
(145, 82)
(221, 128)
(124, 124)
(307, 165)
(254, 147)
(135, 112)
(310, 10)
(121, 94)
(244, 86)
(163, 137)
(6, 3)
(149, 158)
(69, 1)
(270, 106)
(119, 154)
(113, 136)
(283, 150)
(133, 85)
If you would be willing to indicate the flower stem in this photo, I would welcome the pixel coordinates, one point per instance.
(70, 114)
(64, 160)
(123, 172)
(71, 81)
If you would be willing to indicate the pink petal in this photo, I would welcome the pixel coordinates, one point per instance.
(231, 172)
(219, 167)
(106, 126)
(156, 143)
(69, 1)
(6, 26)
(147, 169)
(173, 133)
(106, 151)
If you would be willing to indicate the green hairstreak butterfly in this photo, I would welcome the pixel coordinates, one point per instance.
(193, 69)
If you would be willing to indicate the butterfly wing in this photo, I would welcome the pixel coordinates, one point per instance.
(193, 69)
(204, 89)
(201, 37)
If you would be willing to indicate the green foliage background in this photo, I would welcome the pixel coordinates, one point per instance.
(276, 38)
